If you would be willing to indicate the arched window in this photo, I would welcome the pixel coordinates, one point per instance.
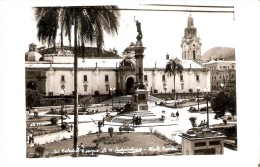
(85, 88)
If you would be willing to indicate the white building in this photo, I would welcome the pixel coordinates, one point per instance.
(53, 72)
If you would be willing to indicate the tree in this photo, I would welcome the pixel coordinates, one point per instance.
(225, 101)
(33, 98)
(174, 67)
(232, 107)
(89, 24)
(47, 25)
(86, 101)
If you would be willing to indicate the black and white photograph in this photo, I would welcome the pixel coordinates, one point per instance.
(143, 80)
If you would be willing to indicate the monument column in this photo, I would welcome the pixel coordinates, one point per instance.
(139, 91)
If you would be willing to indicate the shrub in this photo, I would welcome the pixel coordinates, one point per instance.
(111, 131)
(162, 117)
(203, 109)
(54, 120)
(64, 125)
(193, 121)
(39, 151)
(225, 121)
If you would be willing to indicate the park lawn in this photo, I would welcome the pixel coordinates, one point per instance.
(139, 140)
(44, 129)
(30, 119)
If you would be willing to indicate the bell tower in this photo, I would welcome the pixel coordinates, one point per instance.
(190, 44)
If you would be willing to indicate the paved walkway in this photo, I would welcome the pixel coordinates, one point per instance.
(171, 127)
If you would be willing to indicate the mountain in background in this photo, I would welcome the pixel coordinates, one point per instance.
(225, 53)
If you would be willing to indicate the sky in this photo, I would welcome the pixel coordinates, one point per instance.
(162, 30)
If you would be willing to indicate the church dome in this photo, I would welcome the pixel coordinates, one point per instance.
(128, 62)
(32, 54)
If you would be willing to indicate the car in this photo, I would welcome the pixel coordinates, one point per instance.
(126, 127)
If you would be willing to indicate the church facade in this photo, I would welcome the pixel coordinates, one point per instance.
(52, 73)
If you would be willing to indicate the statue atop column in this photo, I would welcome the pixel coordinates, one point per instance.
(138, 26)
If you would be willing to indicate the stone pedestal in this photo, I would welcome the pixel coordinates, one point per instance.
(139, 100)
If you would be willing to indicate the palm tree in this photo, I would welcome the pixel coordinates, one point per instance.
(47, 25)
(89, 24)
(174, 67)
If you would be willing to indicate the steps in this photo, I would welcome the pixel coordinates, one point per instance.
(127, 99)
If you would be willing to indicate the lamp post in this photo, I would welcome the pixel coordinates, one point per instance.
(62, 91)
(222, 86)
(165, 88)
(112, 90)
(198, 97)
(207, 97)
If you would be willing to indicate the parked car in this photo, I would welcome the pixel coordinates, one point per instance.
(126, 127)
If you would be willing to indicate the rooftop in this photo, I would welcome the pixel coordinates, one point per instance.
(198, 133)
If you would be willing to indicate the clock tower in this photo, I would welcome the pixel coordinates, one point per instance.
(190, 44)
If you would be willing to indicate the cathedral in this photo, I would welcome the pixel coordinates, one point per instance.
(51, 73)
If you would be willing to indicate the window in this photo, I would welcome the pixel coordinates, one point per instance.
(62, 87)
(163, 77)
(62, 78)
(200, 144)
(106, 78)
(217, 142)
(85, 78)
(85, 88)
(197, 77)
(145, 77)
(181, 77)
(140, 73)
(182, 86)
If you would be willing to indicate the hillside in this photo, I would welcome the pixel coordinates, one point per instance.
(226, 53)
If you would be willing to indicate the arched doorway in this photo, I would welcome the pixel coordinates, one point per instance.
(129, 85)
(31, 85)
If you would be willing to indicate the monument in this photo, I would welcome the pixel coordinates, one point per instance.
(139, 99)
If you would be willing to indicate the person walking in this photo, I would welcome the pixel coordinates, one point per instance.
(30, 137)
(133, 120)
(103, 121)
(177, 115)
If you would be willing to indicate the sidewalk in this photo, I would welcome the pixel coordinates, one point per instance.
(171, 127)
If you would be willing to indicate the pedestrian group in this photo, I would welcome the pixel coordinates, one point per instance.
(137, 120)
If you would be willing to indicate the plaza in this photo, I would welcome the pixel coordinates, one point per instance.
(171, 127)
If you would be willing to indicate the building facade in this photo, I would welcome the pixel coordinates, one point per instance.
(223, 73)
(52, 72)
